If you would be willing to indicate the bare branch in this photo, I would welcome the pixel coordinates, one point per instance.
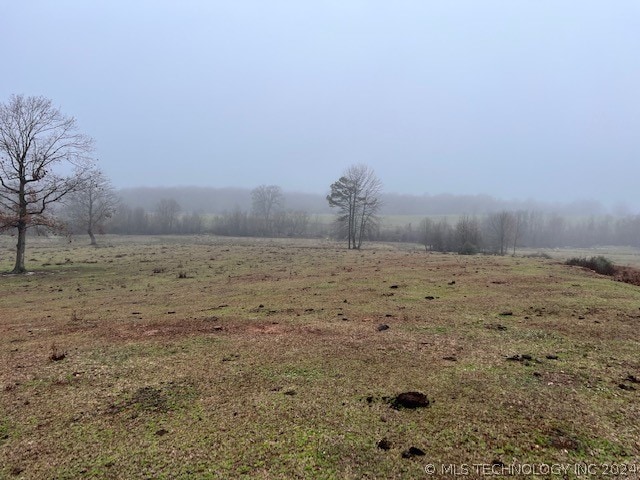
(36, 142)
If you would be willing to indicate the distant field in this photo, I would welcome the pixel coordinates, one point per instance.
(206, 357)
(624, 256)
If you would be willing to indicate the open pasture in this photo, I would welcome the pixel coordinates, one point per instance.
(201, 357)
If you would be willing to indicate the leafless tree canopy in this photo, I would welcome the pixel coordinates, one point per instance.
(167, 211)
(357, 196)
(42, 158)
(266, 200)
(93, 204)
(501, 225)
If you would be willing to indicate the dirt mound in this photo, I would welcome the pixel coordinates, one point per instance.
(411, 400)
(627, 275)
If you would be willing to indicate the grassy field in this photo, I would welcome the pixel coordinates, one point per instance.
(201, 357)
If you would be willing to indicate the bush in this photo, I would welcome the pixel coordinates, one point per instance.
(540, 255)
(468, 249)
(598, 264)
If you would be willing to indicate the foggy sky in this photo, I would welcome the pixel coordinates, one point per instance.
(517, 99)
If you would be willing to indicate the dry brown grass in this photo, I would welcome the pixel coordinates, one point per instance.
(266, 361)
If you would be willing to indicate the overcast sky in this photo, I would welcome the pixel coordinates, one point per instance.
(517, 99)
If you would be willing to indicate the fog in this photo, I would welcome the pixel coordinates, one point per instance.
(208, 200)
(518, 101)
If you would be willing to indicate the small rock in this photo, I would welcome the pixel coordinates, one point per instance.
(382, 327)
(552, 357)
(393, 286)
(506, 313)
(429, 297)
(161, 432)
(450, 358)
(452, 282)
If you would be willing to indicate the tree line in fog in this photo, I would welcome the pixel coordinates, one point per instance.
(49, 181)
(497, 232)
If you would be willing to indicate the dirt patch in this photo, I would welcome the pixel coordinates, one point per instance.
(627, 275)
(384, 444)
(413, 452)
(146, 399)
(268, 329)
(410, 400)
(149, 399)
(562, 440)
(562, 379)
(153, 399)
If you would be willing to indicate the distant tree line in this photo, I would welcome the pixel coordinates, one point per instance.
(268, 217)
(219, 201)
(505, 231)
(49, 181)
(499, 232)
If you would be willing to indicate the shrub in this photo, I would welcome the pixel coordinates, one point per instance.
(598, 264)
(539, 255)
(468, 249)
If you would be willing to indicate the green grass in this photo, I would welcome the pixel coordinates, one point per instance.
(192, 378)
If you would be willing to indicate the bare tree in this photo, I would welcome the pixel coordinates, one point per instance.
(167, 211)
(93, 204)
(519, 219)
(266, 200)
(501, 225)
(426, 233)
(357, 196)
(38, 148)
(468, 236)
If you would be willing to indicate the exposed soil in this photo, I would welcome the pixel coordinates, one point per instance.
(384, 444)
(627, 275)
(563, 441)
(413, 452)
(411, 400)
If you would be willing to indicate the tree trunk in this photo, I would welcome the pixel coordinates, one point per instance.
(20, 248)
(22, 231)
(92, 237)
